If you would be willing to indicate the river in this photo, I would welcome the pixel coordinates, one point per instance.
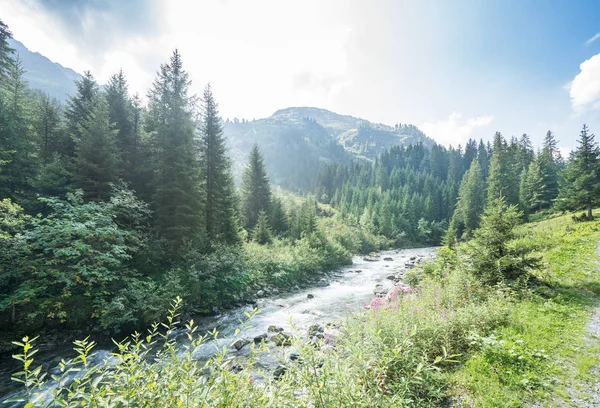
(343, 291)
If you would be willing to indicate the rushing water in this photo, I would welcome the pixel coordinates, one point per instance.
(347, 290)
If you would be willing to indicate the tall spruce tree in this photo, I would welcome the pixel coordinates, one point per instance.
(582, 176)
(502, 181)
(256, 191)
(78, 109)
(17, 142)
(471, 200)
(6, 52)
(549, 163)
(97, 156)
(219, 189)
(121, 114)
(177, 199)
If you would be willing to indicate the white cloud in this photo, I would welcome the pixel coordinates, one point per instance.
(455, 129)
(594, 38)
(585, 87)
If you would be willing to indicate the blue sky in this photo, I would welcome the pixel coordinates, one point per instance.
(457, 69)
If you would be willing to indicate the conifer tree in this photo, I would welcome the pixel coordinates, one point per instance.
(78, 109)
(121, 115)
(262, 231)
(97, 156)
(548, 162)
(256, 191)
(532, 187)
(177, 200)
(219, 190)
(277, 217)
(6, 52)
(17, 143)
(471, 199)
(502, 181)
(582, 176)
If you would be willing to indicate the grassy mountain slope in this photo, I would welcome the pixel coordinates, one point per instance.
(296, 140)
(45, 75)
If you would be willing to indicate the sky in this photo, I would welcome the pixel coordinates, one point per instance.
(456, 69)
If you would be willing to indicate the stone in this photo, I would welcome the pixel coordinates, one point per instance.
(315, 329)
(310, 296)
(392, 277)
(388, 259)
(294, 356)
(322, 283)
(412, 258)
(370, 259)
(240, 344)
(282, 339)
(274, 329)
(279, 372)
(260, 338)
(260, 293)
(358, 271)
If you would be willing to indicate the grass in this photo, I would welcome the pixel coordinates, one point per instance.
(549, 320)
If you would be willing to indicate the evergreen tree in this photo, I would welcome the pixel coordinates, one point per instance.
(121, 114)
(17, 143)
(47, 127)
(219, 190)
(177, 200)
(78, 109)
(256, 191)
(549, 168)
(483, 159)
(6, 52)
(262, 231)
(502, 181)
(582, 176)
(277, 217)
(532, 187)
(471, 199)
(96, 155)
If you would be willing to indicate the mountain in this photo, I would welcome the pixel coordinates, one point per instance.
(45, 75)
(295, 141)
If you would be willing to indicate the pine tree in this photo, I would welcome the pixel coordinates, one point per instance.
(97, 156)
(582, 176)
(532, 187)
(277, 217)
(121, 114)
(549, 167)
(471, 199)
(502, 181)
(47, 127)
(262, 231)
(78, 109)
(256, 191)
(219, 190)
(6, 52)
(483, 159)
(17, 142)
(177, 200)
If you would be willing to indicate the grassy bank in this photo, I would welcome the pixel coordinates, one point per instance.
(447, 337)
(541, 353)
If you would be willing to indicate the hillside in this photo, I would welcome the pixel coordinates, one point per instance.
(314, 136)
(45, 75)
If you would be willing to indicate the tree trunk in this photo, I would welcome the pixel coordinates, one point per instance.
(590, 216)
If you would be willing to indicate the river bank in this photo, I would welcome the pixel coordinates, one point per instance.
(335, 295)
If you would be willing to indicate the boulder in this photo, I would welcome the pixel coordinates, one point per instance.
(310, 296)
(282, 339)
(322, 283)
(274, 329)
(412, 258)
(358, 271)
(240, 344)
(294, 356)
(392, 277)
(370, 259)
(388, 259)
(260, 293)
(258, 339)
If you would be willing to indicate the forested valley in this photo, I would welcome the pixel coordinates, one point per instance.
(114, 205)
